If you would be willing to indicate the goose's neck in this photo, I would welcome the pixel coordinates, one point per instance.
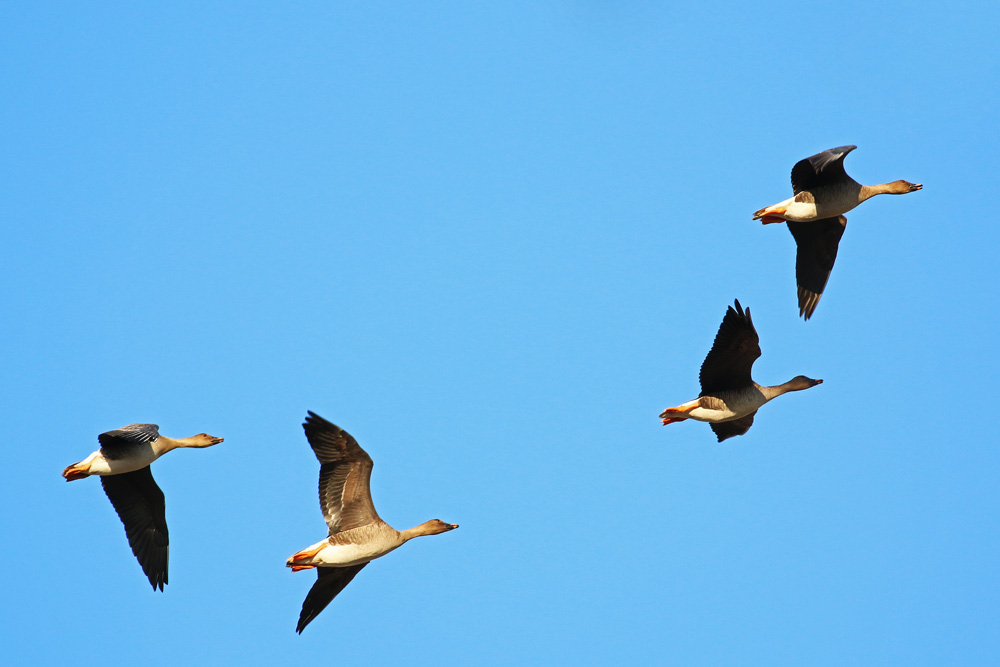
(776, 390)
(163, 444)
(869, 191)
(417, 531)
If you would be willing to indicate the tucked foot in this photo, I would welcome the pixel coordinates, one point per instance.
(75, 471)
(770, 214)
(680, 409)
(297, 568)
(305, 554)
(671, 420)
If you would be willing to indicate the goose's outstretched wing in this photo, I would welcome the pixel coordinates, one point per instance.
(330, 581)
(820, 170)
(344, 475)
(140, 505)
(730, 361)
(817, 243)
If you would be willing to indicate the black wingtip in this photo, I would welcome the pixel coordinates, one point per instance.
(740, 311)
(303, 622)
(313, 418)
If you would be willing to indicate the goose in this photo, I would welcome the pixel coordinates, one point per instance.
(357, 534)
(729, 397)
(823, 192)
(122, 463)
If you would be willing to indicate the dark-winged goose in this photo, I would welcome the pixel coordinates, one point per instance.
(823, 192)
(123, 465)
(729, 397)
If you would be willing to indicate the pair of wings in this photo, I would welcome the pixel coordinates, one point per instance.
(817, 241)
(345, 498)
(138, 501)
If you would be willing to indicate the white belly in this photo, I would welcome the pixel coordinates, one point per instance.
(102, 466)
(340, 555)
(800, 211)
(714, 416)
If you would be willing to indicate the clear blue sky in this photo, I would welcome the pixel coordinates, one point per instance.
(493, 241)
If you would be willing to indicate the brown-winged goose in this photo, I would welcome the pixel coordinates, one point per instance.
(729, 397)
(823, 192)
(357, 534)
(123, 465)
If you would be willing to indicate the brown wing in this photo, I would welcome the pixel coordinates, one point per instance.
(731, 358)
(733, 428)
(330, 581)
(344, 475)
(817, 243)
(820, 170)
(142, 508)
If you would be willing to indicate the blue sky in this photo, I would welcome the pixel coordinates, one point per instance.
(493, 241)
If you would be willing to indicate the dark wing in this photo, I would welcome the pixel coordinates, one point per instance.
(115, 444)
(344, 475)
(820, 169)
(330, 581)
(141, 507)
(733, 428)
(731, 358)
(817, 251)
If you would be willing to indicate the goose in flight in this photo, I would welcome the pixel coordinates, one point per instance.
(122, 462)
(357, 534)
(823, 192)
(729, 397)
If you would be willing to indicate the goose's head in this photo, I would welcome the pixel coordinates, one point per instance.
(435, 526)
(203, 440)
(800, 382)
(902, 187)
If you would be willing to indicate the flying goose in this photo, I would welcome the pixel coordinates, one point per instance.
(357, 534)
(123, 465)
(823, 192)
(729, 397)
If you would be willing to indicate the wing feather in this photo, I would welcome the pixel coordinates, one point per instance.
(141, 507)
(329, 582)
(116, 444)
(344, 475)
(733, 428)
(730, 361)
(817, 243)
(820, 170)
